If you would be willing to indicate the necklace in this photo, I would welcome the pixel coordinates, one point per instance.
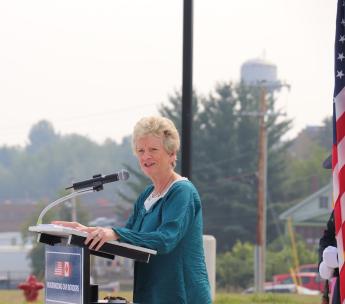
(155, 194)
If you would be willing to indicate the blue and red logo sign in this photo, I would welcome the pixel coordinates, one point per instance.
(64, 275)
(63, 269)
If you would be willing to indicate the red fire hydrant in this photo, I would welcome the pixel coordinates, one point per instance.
(30, 288)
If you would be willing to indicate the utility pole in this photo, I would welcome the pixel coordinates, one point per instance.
(260, 250)
(261, 74)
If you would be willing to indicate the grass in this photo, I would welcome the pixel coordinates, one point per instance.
(16, 296)
(269, 298)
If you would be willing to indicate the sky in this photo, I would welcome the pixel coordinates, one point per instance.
(95, 67)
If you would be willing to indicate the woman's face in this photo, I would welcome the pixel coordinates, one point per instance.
(154, 160)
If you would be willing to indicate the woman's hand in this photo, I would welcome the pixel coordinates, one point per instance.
(74, 225)
(97, 236)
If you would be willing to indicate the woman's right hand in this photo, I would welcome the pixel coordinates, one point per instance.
(96, 236)
(74, 225)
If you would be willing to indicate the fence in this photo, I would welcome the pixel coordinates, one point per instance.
(11, 279)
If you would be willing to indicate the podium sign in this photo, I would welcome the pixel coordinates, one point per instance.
(67, 269)
(64, 274)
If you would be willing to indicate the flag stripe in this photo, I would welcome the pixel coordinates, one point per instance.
(337, 216)
(339, 104)
(341, 156)
(341, 179)
(335, 185)
(342, 211)
(340, 129)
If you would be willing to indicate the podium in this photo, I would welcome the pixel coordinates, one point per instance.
(67, 263)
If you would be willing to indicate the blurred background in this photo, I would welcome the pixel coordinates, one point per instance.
(76, 75)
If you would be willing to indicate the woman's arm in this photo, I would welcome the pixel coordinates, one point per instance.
(178, 214)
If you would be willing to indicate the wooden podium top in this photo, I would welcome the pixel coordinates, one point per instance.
(53, 234)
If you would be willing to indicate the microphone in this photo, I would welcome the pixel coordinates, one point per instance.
(97, 181)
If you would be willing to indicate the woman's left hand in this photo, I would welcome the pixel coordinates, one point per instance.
(97, 236)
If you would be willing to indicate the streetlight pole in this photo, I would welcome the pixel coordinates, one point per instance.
(187, 88)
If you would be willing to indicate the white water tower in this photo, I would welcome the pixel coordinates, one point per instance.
(257, 71)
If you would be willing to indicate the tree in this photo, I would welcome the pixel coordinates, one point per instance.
(325, 138)
(305, 174)
(225, 157)
(235, 267)
(41, 134)
(51, 162)
(279, 256)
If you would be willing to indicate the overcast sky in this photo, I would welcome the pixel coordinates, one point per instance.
(95, 67)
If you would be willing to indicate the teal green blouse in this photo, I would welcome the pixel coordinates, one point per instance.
(173, 227)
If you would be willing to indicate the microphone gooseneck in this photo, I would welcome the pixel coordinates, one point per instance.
(86, 186)
(97, 181)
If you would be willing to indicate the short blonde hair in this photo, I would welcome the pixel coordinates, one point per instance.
(160, 127)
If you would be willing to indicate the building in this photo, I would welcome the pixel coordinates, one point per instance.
(309, 217)
(15, 265)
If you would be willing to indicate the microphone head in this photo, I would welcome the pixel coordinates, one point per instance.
(123, 174)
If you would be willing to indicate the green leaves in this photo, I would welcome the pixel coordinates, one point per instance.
(235, 267)
(225, 157)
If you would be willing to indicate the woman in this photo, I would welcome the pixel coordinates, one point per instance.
(167, 217)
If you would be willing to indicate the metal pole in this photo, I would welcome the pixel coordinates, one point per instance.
(187, 88)
(74, 209)
(261, 216)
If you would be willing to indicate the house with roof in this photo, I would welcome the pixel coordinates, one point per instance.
(309, 217)
(15, 265)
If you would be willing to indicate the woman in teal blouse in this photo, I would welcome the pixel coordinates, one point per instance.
(167, 217)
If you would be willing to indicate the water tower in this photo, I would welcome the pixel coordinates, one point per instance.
(258, 71)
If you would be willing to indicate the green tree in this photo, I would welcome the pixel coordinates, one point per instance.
(305, 173)
(279, 256)
(306, 176)
(225, 157)
(51, 162)
(325, 138)
(235, 268)
(41, 134)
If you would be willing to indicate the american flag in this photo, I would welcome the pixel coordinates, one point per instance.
(338, 150)
(62, 269)
(58, 271)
